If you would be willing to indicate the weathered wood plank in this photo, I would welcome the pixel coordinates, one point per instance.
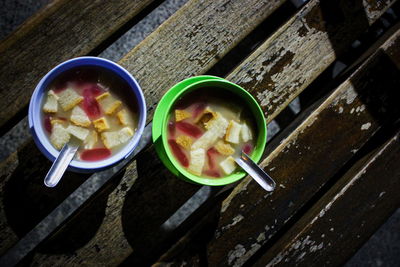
(62, 30)
(192, 26)
(339, 223)
(283, 66)
(110, 227)
(341, 125)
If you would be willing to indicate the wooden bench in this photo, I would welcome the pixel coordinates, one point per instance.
(329, 162)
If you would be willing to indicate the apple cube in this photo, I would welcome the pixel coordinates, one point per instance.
(51, 105)
(59, 136)
(197, 159)
(69, 98)
(79, 117)
(228, 165)
(108, 103)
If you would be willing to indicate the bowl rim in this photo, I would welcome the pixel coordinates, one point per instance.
(250, 102)
(34, 112)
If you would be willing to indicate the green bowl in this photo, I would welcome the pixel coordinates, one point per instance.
(160, 122)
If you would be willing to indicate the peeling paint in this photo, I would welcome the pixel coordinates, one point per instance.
(238, 252)
(365, 126)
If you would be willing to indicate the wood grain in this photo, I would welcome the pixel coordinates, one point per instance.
(186, 44)
(343, 219)
(60, 31)
(283, 66)
(153, 91)
(333, 132)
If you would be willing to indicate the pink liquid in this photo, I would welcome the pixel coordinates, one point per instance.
(189, 129)
(178, 153)
(95, 154)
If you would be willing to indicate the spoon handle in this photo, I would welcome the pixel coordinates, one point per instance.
(61, 163)
(258, 174)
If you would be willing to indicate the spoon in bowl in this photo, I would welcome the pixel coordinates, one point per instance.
(61, 163)
(255, 172)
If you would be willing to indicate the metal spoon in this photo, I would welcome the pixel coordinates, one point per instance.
(61, 163)
(255, 172)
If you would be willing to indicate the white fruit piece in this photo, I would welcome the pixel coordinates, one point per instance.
(79, 117)
(233, 132)
(91, 140)
(217, 128)
(228, 165)
(113, 139)
(245, 133)
(59, 136)
(51, 105)
(78, 132)
(123, 117)
(69, 99)
(108, 103)
(197, 159)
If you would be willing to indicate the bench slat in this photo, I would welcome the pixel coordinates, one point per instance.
(316, 150)
(340, 223)
(110, 228)
(193, 24)
(62, 30)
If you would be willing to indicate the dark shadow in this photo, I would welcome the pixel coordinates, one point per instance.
(27, 201)
(377, 86)
(251, 42)
(154, 197)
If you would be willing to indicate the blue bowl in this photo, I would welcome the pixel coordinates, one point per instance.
(36, 123)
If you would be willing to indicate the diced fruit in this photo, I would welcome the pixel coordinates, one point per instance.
(212, 173)
(55, 120)
(184, 141)
(78, 132)
(91, 140)
(59, 136)
(189, 129)
(233, 132)
(178, 153)
(108, 103)
(90, 104)
(216, 130)
(51, 105)
(47, 124)
(101, 124)
(171, 129)
(79, 117)
(95, 154)
(245, 133)
(69, 99)
(197, 159)
(247, 148)
(102, 96)
(180, 115)
(123, 117)
(198, 109)
(116, 138)
(206, 115)
(94, 89)
(228, 165)
(211, 154)
(224, 148)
